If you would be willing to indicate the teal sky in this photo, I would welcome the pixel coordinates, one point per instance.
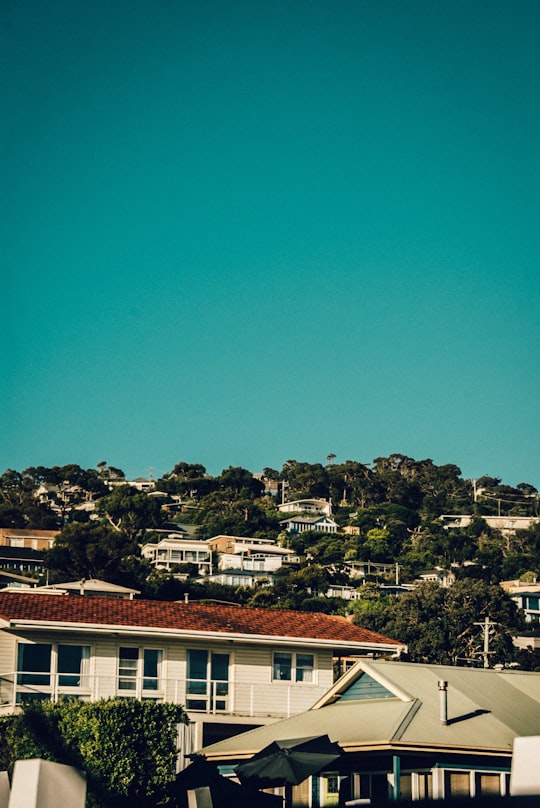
(236, 232)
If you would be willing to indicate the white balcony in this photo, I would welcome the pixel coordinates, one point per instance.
(217, 697)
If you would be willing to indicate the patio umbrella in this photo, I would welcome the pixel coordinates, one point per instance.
(224, 792)
(287, 763)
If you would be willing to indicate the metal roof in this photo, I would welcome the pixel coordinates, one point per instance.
(487, 709)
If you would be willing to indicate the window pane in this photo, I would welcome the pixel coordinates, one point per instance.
(71, 659)
(457, 784)
(152, 660)
(34, 664)
(197, 663)
(489, 784)
(220, 667)
(282, 666)
(304, 667)
(220, 678)
(127, 668)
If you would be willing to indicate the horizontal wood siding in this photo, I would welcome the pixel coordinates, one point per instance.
(252, 691)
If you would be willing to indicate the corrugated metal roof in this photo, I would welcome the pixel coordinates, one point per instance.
(487, 709)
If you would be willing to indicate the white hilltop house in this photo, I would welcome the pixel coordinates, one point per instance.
(506, 524)
(312, 506)
(250, 554)
(173, 550)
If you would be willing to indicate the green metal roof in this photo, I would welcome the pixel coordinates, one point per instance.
(487, 709)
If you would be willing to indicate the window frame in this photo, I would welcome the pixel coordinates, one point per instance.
(53, 682)
(139, 678)
(297, 670)
(208, 694)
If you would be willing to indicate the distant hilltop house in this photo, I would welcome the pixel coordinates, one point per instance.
(313, 506)
(140, 483)
(30, 539)
(527, 597)
(438, 575)
(232, 667)
(299, 524)
(173, 550)
(506, 524)
(250, 554)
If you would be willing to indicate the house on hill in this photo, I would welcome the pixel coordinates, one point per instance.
(171, 551)
(40, 540)
(231, 667)
(299, 524)
(320, 507)
(407, 731)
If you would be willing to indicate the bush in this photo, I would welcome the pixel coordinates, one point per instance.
(127, 748)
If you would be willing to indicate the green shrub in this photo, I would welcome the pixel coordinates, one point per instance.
(127, 748)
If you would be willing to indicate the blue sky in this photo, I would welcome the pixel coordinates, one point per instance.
(240, 232)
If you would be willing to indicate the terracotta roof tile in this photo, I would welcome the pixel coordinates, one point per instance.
(184, 616)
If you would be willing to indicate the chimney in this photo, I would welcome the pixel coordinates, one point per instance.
(443, 702)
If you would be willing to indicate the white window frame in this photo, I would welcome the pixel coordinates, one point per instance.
(295, 668)
(54, 688)
(139, 679)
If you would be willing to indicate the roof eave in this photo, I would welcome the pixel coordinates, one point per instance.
(382, 746)
(345, 646)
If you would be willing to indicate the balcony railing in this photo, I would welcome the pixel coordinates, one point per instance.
(217, 697)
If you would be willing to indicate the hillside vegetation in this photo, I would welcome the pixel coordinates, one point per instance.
(387, 511)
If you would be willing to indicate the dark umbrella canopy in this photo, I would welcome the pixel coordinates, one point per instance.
(224, 792)
(288, 762)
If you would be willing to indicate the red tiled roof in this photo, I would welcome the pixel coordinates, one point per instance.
(199, 617)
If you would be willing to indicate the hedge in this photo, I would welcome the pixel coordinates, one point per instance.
(126, 747)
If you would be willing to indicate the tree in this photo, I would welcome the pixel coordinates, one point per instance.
(306, 479)
(440, 625)
(130, 511)
(109, 472)
(222, 513)
(94, 551)
(240, 481)
(187, 471)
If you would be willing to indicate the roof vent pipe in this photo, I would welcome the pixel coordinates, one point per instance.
(443, 702)
(186, 597)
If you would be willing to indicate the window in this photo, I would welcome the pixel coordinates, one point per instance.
(34, 664)
(207, 684)
(304, 667)
(151, 664)
(282, 666)
(128, 661)
(73, 664)
(290, 667)
(45, 669)
(457, 784)
(470, 783)
(139, 670)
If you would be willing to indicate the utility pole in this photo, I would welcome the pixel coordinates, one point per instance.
(487, 630)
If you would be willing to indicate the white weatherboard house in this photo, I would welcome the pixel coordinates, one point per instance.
(407, 731)
(313, 506)
(231, 667)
